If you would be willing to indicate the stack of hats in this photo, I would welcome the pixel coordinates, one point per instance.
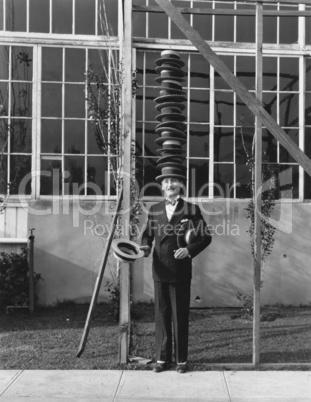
(172, 127)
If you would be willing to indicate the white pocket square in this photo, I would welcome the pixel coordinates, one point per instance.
(184, 220)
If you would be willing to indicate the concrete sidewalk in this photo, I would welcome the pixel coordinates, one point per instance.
(139, 386)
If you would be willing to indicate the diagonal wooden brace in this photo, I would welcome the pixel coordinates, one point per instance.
(250, 100)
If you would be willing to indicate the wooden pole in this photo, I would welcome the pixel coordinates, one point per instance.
(257, 186)
(31, 239)
(250, 101)
(127, 143)
(99, 278)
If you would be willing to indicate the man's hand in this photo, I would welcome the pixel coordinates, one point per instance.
(181, 253)
(146, 250)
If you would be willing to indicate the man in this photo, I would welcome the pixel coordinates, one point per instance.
(172, 270)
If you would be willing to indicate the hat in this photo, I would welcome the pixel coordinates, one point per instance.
(172, 164)
(170, 98)
(177, 132)
(173, 158)
(171, 116)
(169, 71)
(174, 142)
(186, 235)
(169, 76)
(170, 84)
(126, 250)
(181, 177)
(166, 106)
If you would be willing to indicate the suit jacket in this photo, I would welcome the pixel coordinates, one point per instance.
(163, 233)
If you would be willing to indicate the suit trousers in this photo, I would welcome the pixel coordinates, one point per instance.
(172, 301)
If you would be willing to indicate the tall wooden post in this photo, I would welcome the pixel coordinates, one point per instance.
(127, 139)
(258, 183)
(31, 239)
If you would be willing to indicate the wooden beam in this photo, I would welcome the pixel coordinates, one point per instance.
(127, 140)
(221, 11)
(250, 101)
(257, 186)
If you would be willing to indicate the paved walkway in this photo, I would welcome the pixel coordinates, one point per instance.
(139, 386)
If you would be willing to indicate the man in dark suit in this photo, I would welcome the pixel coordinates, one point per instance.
(172, 269)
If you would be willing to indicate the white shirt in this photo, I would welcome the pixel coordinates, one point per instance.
(170, 209)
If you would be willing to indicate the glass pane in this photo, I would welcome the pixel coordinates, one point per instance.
(269, 101)
(285, 157)
(150, 110)
(223, 179)
(270, 26)
(243, 144)
(74, 165)
(85, 17)
(224, 108)
(4, 96)
(244, 116)
(4, 130)
(198, 178)
(62, 16)
(288, 27)
(96, 59)
(150, 72)
(176, 33)
(289, 110)
(199, 106)
(269, 74)
(4, 62)
(74, 101)
(74, 65)
(94, 144)
(139, 107)
(16, 15)
(51, 136)
(20, 136)
(150, 137)
(108, 11)
(22, 63)
(245, 25)
(245, 71)
(97, 175)
(289, 181)
(199, 140)
(204, 24)
(308, 109)
(224, 24)
(39, 13)
(223, 144)
(308, 141)
(52, 61)
(307, 187)
(289, 74)
(139, 24)
(20, 167)
(149, 186)
(199, 72)
(220, 83)
(74, 137)
(139, 139)
(3, 174)
(51, 177)
(269, 147)
(243, 180)
(308, 73)
(158, 25)
(21, 99)
(51, 100)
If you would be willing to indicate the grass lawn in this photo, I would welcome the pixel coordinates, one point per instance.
(50, 338)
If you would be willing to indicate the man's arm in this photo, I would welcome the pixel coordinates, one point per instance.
(148, 235)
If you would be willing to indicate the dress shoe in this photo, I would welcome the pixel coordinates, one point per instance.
(181, 368)
(158, 367)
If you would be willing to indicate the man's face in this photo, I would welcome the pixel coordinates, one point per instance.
(171, 186)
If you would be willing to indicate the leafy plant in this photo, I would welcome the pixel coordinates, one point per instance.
(113, 289)
(268, 196)
(14, 279)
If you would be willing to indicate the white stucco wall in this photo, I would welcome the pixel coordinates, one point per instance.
(69, 245)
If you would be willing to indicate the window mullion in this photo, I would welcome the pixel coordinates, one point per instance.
(36, 118)
(212, 133)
